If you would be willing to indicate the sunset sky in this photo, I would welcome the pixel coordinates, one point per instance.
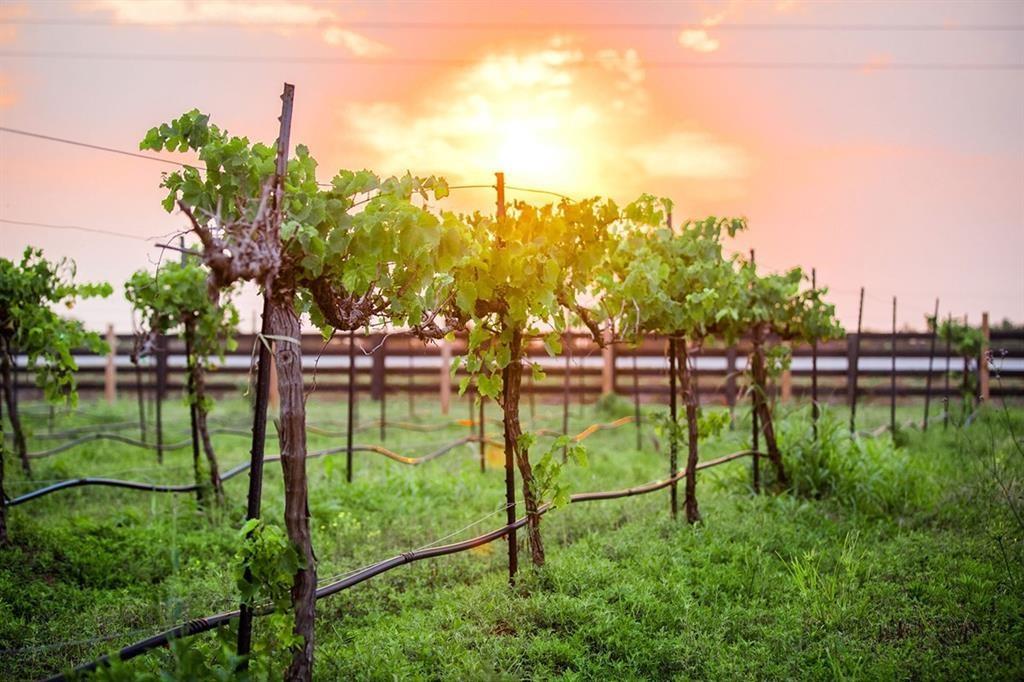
(885, 146)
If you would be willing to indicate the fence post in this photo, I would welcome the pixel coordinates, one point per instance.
(730, 384)
(949, 349)
(350, 425)
(110, 373)
(787, 384)
(510, 474)
(445, 376)
(378, 383)
(608, 365)
(263, 376)
(892, 373)
(931, 365)
(853, 365)
(410, 385)
(273, 396)
(673, 413)
(636, 401)
(161, 389)
(983, 387)
(815, 410)
(566, 379)
(482, 425)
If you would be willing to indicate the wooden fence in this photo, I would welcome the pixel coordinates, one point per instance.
(398, 364)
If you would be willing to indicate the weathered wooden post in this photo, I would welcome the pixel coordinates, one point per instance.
(949, 350)
(730, 384)
(673, 414)
(379, 389)
(931, 365)
(263, 376)
(983, 378)
(350, 425)
(110, 372)
(161, 389)
(607, 365)
(510, 475)
(445, 377)
(892, 374)
(482, 425)
(636, 401)
(853, 365)
(815, 409)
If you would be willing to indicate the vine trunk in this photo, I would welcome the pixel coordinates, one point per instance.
(284, 324)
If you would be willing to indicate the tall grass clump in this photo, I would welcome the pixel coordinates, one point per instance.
(870, 475)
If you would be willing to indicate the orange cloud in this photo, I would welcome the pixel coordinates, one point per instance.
(555, 116)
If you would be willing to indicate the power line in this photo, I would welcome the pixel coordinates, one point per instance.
(79, 228)
(313, 60)
(87, 145)
(538, 26)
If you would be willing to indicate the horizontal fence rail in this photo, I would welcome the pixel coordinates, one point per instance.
(399, 363)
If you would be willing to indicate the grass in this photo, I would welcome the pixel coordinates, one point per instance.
(881, 563)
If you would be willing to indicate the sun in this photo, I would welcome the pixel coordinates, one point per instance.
(528, 152)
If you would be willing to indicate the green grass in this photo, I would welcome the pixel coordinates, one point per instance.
(881, 564)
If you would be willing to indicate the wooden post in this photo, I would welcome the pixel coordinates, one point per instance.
(351, 423)
(608, 365)
(273, 396)
(931, 365)
(161, 389)
(730, 384)
(853, 365)
(510, 474)
(949, 350)
(411, 382)
(445, 377)
(263, 377)
(531, 391)
(787, 385)
(815, 409)
(193, 413)
(674, 415)
(379, 389)
(964, 382)
(566, 378)
(755, 429)
(983, 381)
(892, 373)
(636, 401)
(581, 381)
(140, 394)
(110, 373)
(482, 425)
(754, 426)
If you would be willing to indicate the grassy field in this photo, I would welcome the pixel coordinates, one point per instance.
(882, 563)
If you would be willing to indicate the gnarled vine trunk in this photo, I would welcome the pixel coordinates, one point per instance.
(689, 386)
(284, 324)
(511, 389)
(760, 378)
(6, 363)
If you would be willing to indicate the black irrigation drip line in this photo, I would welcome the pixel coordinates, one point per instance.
(200, 625)
(230, 473)
(244, 466)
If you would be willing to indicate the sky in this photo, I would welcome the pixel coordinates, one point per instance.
(881, 143)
